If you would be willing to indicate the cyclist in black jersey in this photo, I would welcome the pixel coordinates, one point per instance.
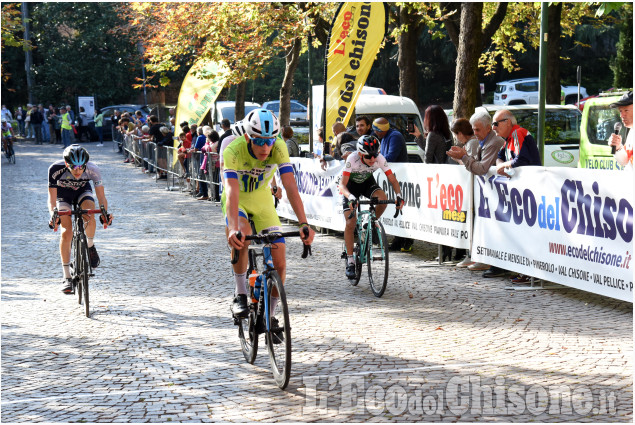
(69, 183)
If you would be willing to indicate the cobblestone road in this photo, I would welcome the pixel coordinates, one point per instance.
(442, 344)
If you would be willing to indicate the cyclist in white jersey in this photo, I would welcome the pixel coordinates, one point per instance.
(358, 180)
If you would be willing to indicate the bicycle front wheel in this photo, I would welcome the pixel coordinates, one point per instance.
(85, 271)
(11, 154)
(377, 260)
(76, 271)
(278, 334)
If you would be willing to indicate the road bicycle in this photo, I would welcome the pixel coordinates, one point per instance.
(267, 282)
(8, 149)
(371, 247)
(81, 270)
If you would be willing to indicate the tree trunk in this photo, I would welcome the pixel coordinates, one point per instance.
(407, 57)
(468, 53)
(292, 60)
(239, 112)
(553, 54)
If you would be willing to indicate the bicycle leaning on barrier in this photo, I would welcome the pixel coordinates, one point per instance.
(81, 268)
(263, 288)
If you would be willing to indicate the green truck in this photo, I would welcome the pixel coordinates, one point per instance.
(598, 122)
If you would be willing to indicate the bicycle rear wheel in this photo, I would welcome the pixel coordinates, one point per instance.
(11, 154)
(278, 335)
(357, 258)
(377, 260)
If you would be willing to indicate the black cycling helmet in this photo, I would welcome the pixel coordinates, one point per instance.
(368, 145)
(75, 155)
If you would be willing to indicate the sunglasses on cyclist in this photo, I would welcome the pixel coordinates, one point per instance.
(261, 142)
(495, 123)
(370, 156)
(77, 167)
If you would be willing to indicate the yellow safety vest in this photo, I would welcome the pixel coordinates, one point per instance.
(66, 121)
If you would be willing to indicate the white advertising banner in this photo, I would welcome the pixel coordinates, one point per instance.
(438, 200)
(566, 225)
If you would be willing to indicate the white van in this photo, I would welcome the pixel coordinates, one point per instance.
(397, 110)
(226, 109)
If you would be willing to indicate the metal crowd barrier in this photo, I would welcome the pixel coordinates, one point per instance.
(164, 159)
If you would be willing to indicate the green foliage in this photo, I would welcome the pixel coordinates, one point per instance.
(623, 66)
(77, 53)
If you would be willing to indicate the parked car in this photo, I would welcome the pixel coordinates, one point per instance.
(525, 91)
(108, 112)
(227, 109)
(299, 112)
(562, 132)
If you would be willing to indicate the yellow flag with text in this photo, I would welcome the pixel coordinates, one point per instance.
(201, 86)
(357, 32)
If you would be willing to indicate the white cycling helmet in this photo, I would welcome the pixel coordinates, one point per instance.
(238, 129)
(261, 123)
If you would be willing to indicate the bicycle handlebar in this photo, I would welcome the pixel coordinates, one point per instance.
(375, 201)
(268, 238)
(78, 211)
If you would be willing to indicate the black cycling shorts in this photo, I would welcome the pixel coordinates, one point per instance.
(365, 189)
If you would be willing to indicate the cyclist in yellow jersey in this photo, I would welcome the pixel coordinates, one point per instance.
(250, 162)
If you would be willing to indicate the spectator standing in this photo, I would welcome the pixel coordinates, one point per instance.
(6, 114)
(226, 126)
(439, 138)
(82, 125)
(465, 137)
(20, 116)
(27, 122)
(57, 125)
(117, 135)
(211, 137)
(489, 146)
(36, 124)
(46, 132)
(51, 117)
(520, 148)
(624, 153)
(363, 127)
(292, 145)
(438, 142)
(345, 143)
(99, 126)
(66, 126)
(393, 148)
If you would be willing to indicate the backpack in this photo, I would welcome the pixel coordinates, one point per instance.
(80, 120)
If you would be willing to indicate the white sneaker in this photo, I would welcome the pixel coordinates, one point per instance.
(99, 144)
(467, 261)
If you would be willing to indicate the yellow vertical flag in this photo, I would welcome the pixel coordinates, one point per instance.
(357, 32)
(201, 86)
